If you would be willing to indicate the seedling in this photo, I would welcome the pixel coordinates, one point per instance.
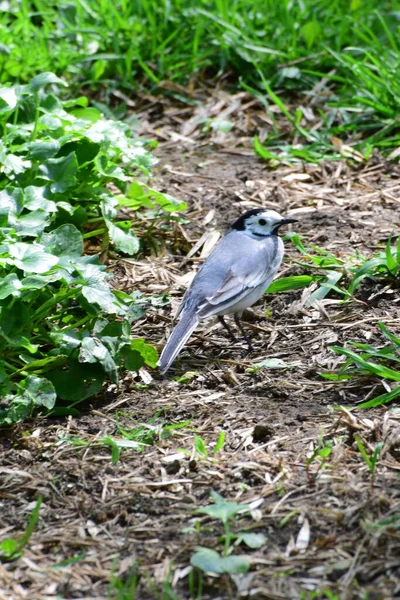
(370, 461)
(211, 561)
(321, 455)
(11, 548)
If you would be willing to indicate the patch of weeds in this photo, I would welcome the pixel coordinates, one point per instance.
(200, 451)
(211, 561)
(145, 434)
(382, 363)
(329, 270)
(11, 548)
(63, 330)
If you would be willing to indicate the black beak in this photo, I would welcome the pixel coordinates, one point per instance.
(287, 221)
(284, 222)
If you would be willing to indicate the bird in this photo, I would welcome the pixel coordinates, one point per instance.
(234, 276)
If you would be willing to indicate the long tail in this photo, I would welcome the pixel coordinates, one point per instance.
(182, 332)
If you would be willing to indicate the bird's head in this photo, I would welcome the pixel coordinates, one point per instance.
(260, 223)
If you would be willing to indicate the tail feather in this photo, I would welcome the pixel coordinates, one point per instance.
(184, 329)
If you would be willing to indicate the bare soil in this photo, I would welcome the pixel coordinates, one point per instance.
(330, 527)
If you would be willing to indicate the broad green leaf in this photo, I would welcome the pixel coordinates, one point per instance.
(124, 241)
(39, 391)
(61, 172)
(12, 199)
(222, 510)
(43, 79)
(131, 359)
(31, 258)
(65, 240)
(207, 560)
(167, 202)
(41, 151)
(36, 197)
(148, 352)
(85, 150)
(90, 114)
(8, 99)
(92, 350)
(79, 381)
(252, 540)
(101, 297)
(31, 224)
(235, 565)
(268, 363)
(10, 286)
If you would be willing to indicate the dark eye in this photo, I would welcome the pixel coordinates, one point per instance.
(262, 222)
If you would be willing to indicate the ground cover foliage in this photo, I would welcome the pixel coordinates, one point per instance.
(63, 330)
(260, 476)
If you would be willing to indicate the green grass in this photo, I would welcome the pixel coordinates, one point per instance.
(280, 50)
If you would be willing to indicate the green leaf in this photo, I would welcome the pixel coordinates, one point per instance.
(200, 445)
(252, 540)
(41, 151)
(92, 350)
(61, 172)
(286, 284)
(31, 259)
(8, 547)
(222, 510)
(369, 366)
(36, 197)
(209, 561)
(8, 99)
(39, 391)
(78, 382)
(115, 451)
(380, 400)
(31, 224)
(10, 286)
(65, 240)
(124, 241)
(311, 31)
(148, 352)
(91, 114)
(43, 79)
(263, 151)
(220, 443)
(269, 363)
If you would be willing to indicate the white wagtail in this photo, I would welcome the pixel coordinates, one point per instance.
(234, 277)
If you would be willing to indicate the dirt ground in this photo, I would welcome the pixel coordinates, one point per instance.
(331, 529)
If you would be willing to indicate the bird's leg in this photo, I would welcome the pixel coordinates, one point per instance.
(229, 330)
(243, 332)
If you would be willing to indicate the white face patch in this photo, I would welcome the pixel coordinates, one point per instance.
(263, 224)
